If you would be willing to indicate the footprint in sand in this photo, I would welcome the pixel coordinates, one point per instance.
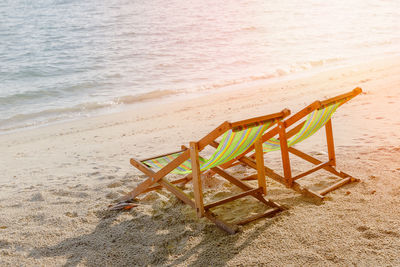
(362, 228)
(93, 174)
(114, 185)
(390, 233)
(37, 197)
(64, 193)
(71, 214)
(370, 234)
(4, 244)
(112, 195)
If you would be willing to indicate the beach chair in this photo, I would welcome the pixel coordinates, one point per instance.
(294, 130)
(237, 137)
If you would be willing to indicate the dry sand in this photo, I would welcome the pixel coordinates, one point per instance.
(56, 183)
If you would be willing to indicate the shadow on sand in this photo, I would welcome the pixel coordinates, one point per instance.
(136, 238)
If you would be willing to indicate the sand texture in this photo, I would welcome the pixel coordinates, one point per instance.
(57, 181)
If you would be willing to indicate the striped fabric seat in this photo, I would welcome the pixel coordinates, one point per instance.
(315, 120)
(233, 144)
(158, 163)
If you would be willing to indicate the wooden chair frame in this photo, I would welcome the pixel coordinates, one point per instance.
(157, 180)
(284, 132)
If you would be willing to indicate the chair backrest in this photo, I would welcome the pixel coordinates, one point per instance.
(314, 121)
(237, 139)
(319, 115)
(234, 143)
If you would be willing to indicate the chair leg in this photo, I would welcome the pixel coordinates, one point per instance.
(345, 178)
(287, 172)
(260, 166)
(197, 187)
(330, 143)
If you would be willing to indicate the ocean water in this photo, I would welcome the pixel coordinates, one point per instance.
(64, 59)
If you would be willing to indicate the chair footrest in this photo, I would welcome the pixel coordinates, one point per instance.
(269, 213)
(335, 186)
(231, 229)
(316, 168)
(249, 178)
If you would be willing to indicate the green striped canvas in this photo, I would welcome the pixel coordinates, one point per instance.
(315, 120)
(232, 145)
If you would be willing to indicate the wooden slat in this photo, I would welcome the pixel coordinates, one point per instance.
(274, 116)
(268, 135)
(214, 144)
(232, 179)
(330, 143)
(172, 165)
(260, 166)
(335, 186)
(142, 187)
(273, 204)
(316, 168)
(302, 113)
(250, 177)
(346, 97)
(242, 185)
(295, 186)
(232, 198)
(352, 179)
(269, 172)
(153, 177)
(304, 156)
(231, 229)
(188, 177)
(206, 140)
(152, 188)
(318, 198)
(163, 155)
(197, 186)
(142, 167)
(249, 191)
(269, 213)
(295, 130)
(287, 172)
(184, 180)
(316, 161)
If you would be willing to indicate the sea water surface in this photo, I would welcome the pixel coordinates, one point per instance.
(64, 59)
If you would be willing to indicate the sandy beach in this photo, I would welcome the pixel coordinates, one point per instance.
(57, 181)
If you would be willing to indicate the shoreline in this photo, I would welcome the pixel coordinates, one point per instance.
(146, 100)
(57, 181)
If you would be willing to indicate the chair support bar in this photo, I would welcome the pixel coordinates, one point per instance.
(316, 168)
(232, 198)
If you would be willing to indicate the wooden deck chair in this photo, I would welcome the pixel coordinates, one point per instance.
(294, 130)
(236, 138)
